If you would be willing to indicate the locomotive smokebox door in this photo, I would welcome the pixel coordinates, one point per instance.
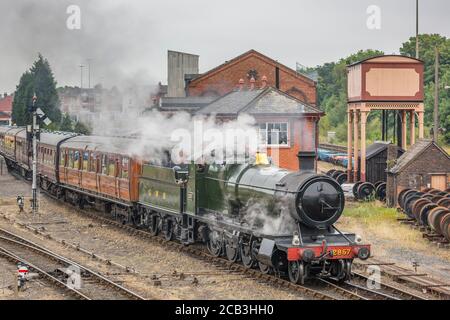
(265, 252)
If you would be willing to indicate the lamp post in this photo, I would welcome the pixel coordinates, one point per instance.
(34, 132)
(417, 29)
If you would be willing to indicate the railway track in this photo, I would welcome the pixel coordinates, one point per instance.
(412, 279)
(53, 267)
(347, 290)
(333, 147)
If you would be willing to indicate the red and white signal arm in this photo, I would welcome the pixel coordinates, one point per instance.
(23, 270)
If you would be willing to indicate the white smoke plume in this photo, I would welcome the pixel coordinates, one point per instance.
(185, 137)
(277, 221)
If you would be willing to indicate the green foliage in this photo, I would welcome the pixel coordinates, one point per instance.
(332, 91)
(81, 128)
(23, 98)
(39, 79)
(66, 123)
(427, 45)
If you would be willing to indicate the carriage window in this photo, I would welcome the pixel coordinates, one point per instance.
(125, 167)
(62, 158)
(76, 160)
(85, 160)
(93, 163)
(70, 159)
(104, 165)
(111, 165)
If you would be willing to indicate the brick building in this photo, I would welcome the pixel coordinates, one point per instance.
(285, 123)
(6, 109)
(225, 77)
(424, 165)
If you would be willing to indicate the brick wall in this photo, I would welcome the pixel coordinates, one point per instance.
(227, 78)
(417, 175)
(302, 138)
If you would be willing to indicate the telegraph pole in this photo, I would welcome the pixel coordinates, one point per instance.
(417, 29)
(436, 96)
(34, 132)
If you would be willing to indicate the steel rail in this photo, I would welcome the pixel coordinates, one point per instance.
(46, 253)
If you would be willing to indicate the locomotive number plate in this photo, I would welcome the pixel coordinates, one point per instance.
(338, 252)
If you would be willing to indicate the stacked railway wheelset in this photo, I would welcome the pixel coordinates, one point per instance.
(430, 208)
(361, 190)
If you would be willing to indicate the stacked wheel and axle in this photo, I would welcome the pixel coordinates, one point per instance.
(361, 190)
(429, 207)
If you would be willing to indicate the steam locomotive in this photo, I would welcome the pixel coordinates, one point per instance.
(257, 214)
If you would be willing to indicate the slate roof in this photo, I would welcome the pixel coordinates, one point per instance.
(268, 101)
(415, 151)
(190, 104)
(377, 147)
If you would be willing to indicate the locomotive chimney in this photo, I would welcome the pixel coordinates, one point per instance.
(241, 84)
(306, 160)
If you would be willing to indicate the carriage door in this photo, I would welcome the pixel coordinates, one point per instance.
(439, 181)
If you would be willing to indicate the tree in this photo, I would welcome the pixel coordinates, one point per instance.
(81, 128)
(428, 43)
(66, 123)
(332, 90)
(39, 79)
(22, 99)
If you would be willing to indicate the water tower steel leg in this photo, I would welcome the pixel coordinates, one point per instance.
(412, 128)
(349, 144)
(403, 120)
(355, 148)
(420, 116)
(363, 145)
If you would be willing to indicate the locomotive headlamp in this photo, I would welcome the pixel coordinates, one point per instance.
(308, 255)
(358, 238)
(363, 253)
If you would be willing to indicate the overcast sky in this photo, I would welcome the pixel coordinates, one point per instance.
(128, 40)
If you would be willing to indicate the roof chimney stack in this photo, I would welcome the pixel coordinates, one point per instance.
(263, 82)
(252, 83)
(241, 84)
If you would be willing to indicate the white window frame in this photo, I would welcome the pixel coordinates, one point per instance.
(264, 143)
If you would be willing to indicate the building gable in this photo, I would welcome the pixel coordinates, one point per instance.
(225, 77)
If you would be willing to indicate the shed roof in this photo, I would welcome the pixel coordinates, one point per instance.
(267, 101)
(414, 152)
(377, 147)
